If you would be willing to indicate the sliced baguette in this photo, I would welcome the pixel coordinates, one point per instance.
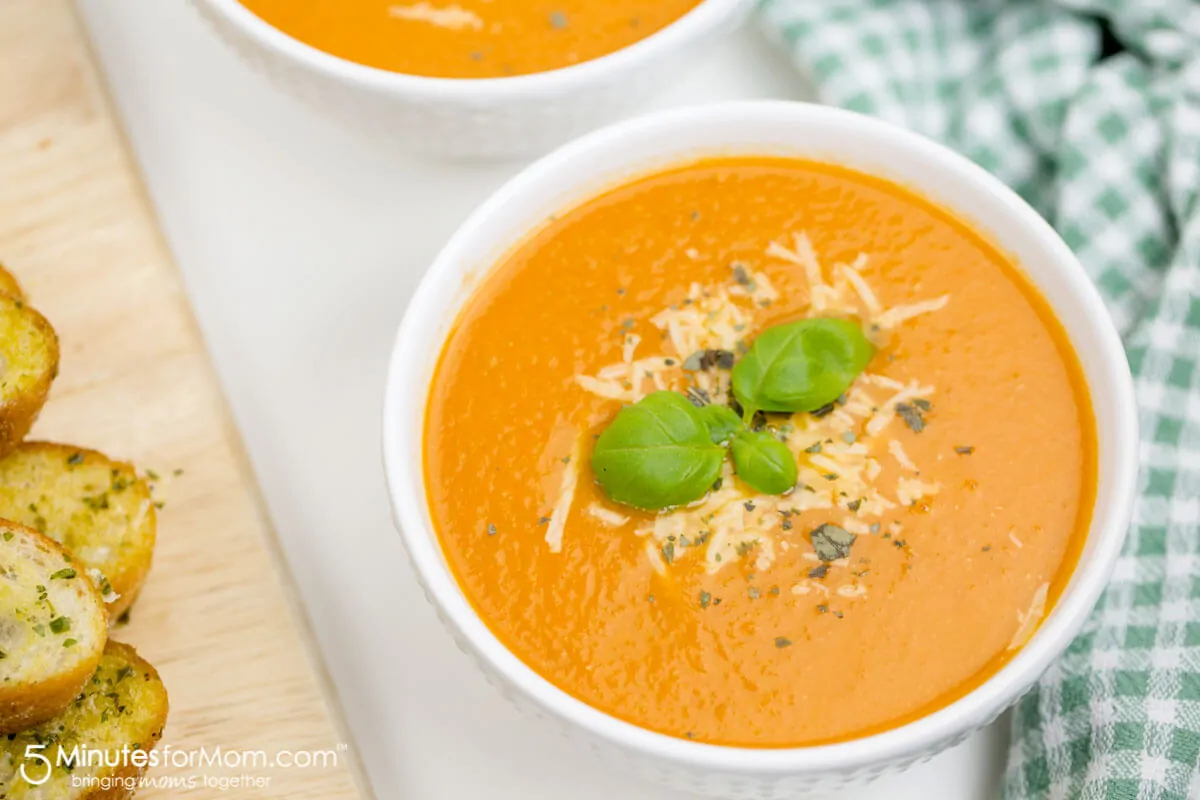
(99, 509)
(52, 628)
(124, 705)
(28, 365)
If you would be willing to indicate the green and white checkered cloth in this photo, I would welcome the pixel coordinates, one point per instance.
(1090, 109)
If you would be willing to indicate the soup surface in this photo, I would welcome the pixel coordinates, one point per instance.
(469, 38)
(959, 465)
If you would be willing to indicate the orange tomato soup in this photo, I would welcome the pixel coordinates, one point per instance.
(962, 461)
(469, 38)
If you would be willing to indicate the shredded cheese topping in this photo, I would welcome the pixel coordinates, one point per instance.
(566, 496)
(607, 515)
(1027, 621)
(710, 318)
(452, 17)
(897, 451)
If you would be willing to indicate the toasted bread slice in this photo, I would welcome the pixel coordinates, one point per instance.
(99, 509)
(124, 705)
(28, 365)
(52, 628)
(9, 285)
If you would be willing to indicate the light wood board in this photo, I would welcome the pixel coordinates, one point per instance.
(216, 616)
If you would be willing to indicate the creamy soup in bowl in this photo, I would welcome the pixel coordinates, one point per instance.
(781, 440)
(470, 38)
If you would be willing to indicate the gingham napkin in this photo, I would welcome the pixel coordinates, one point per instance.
(1091, 110)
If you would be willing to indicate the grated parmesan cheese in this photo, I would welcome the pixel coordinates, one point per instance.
(910, 490)
(897, 451)
(802, 255)
(607, 515)
(566, 496)
(883, 381)
(451, 17)
(897, 314)
(99, 580)
(1027, 621)
(627, 350)
(656, 559)
(865, 293)
(856, 526)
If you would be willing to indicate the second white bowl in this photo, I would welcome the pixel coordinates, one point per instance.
(491, 118)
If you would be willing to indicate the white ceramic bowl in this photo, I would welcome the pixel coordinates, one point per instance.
(470, 118)
(576, 173)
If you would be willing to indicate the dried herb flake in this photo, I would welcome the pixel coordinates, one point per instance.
(823, 411)
(831, 542)
(744, 548)
(912, 415)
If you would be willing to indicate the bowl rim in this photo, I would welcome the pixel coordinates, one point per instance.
(705, 17)
(406, 484)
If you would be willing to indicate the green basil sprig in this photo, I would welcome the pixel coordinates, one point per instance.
(663, 451)
(801, 366)
(764, 462)
(722, 423)
(657, 453)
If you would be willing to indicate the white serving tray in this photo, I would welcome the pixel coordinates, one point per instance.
(300, 242)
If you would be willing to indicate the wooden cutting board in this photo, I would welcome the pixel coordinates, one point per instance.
(217, 616)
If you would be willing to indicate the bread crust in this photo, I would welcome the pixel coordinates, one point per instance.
(29, 703)
(128, 773)
(18, 413)
(9, 284)
(127, 577)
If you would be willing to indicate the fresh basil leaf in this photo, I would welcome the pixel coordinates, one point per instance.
(801, 366)
(764, 462)
(721, 421)
(657, 453)
(831, 542)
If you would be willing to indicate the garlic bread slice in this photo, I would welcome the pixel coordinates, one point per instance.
(52, 628)
(123, 705)
(99, 509)
(28, 365)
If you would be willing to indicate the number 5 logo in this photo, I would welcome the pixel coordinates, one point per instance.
(32, 753)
